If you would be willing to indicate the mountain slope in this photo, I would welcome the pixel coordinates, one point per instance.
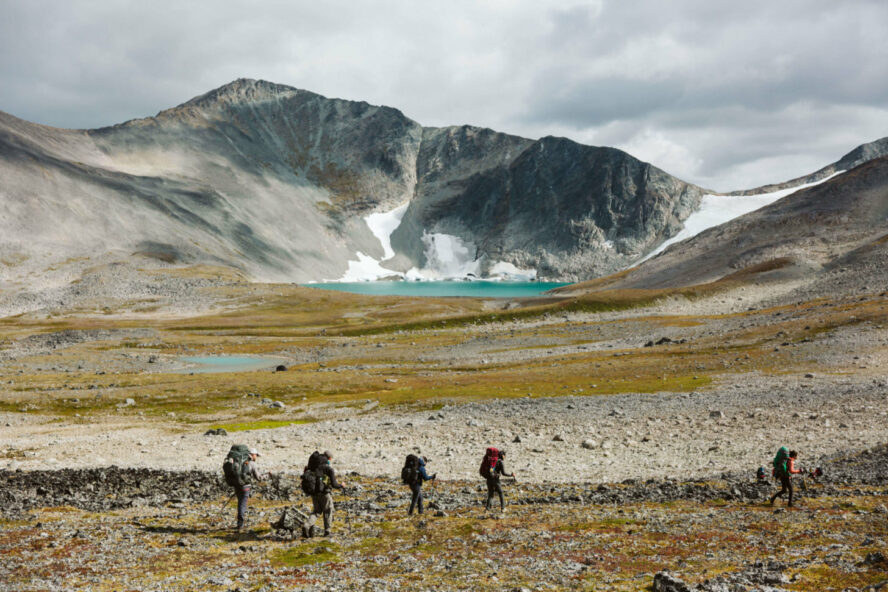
(276, 182)
(858, 156)
(838, 228)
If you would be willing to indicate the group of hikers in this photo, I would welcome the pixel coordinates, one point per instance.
(318, 480)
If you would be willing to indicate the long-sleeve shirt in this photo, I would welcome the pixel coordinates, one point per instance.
(253, 470)
(326, 470)
(499, 470)
(421, 474)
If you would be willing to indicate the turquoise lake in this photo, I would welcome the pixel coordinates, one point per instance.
(478, 289)
(212, 364)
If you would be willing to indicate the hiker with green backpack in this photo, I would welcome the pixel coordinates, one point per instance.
(784, 469)
(240, 470)
(414, 474)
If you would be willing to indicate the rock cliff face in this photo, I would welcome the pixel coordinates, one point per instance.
(567, 210)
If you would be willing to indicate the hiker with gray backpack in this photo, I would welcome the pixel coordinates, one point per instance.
(492, 468)
(240, 470)
(319, 481)
(414, 474)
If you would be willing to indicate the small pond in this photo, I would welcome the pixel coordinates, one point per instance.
(212, 364)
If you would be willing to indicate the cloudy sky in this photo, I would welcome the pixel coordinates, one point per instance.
(727, 95)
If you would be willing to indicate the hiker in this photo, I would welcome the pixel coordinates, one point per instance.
(413, 474)
(492, 468)
(318, 481)
(240, 470)
(784, 469)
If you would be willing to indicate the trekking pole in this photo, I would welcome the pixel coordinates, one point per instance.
(226, 503)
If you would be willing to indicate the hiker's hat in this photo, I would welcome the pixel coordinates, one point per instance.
(254, 451)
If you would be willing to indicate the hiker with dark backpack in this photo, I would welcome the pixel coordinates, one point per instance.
(240, 470)
(318, 481)
(492, 468)
(413, 474)
(784, 469)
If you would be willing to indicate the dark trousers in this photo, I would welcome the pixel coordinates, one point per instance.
(785, 486)
(243, 494)
(494, 488)
(416, 498)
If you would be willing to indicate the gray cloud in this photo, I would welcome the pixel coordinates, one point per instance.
(725, 95)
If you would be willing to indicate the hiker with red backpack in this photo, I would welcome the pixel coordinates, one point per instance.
(240, 470)
(784, 469)
(492, 468)
(413, 474)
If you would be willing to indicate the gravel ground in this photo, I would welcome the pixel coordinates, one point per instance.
(731, 427)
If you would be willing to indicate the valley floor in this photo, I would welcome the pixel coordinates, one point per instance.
(578, 391)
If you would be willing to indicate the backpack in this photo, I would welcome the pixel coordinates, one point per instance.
(234, 468)
(312, 481)
(488, 463)
(316, 460)
(760, 474)
(780, 461)
(410, 472)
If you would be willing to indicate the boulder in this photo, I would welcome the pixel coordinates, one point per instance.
(666, 582)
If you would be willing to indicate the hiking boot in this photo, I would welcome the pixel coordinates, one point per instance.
(327, 533)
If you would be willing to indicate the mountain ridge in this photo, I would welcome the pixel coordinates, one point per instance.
(333, 160)
(276, 182)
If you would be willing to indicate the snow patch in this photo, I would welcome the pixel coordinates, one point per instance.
(509, 272)
(383, 224)
(718, 209)
(366, 268)
(448, 257)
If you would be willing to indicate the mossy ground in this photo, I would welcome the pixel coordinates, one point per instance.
(559, 546)
(548, 352)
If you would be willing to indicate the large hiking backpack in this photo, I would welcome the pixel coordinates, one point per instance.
(234, 468)
(488, 463)
(410, 472)
(316, 460)
(780, 461)
(312, 481)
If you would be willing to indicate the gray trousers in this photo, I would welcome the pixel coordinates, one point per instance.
(243, 494)
(321, 505)
(415, 498)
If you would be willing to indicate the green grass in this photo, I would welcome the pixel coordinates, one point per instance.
(262, 424)
(305, 554)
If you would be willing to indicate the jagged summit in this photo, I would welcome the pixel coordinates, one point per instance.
(246, 90)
